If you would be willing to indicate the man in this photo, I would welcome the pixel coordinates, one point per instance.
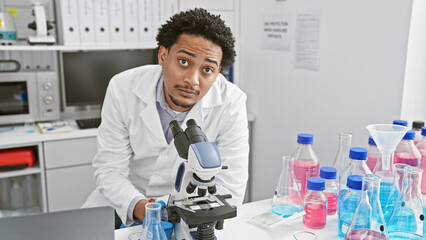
(136, 158)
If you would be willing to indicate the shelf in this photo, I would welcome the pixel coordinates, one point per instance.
(74, 48)
(23, 172)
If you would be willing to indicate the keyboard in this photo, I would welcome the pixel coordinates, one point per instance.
(88, 123)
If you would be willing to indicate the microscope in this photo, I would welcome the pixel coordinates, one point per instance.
(41, 26)
(202, 212)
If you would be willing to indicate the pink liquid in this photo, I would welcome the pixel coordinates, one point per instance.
(332, 199)
(423, 165)
(316, 215)
(371, 161)
(407, 158)
(302, 171)
(364, 234)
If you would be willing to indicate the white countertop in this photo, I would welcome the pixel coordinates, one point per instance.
(239, 228)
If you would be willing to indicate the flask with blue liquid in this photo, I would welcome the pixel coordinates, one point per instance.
(357, 166)
(348, 203)
(368, 221)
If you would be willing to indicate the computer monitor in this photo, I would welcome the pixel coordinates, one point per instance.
(85, 75)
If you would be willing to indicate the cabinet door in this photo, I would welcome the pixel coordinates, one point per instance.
(68, 188)
(71, 152)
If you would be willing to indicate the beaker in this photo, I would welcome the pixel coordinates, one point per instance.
(368, 221)
(386, 137)
(407, 216)
(398, 173)
(153, 229)
(342, 157)
(287, 200)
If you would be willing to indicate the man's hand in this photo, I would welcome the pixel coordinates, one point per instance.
(139, 210)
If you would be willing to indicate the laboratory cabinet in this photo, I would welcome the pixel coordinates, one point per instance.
(62, 176)
(23, 191)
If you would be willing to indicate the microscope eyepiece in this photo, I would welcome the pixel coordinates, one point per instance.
(174, 126)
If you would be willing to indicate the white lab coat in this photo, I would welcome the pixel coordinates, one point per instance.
(133, 156)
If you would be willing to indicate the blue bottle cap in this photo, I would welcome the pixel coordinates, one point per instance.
(424, 131)
(371, 141)
(400, 122)
(354, 182)
(409, 135)
(328, 173)
(358, 153)
(305, 138)
(316, 183)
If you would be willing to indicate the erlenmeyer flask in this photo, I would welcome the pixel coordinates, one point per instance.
(398, 173)
(286, 200)
(153, 229)
(342, 157)
(368, 222)
(386, 137)
(406, 220)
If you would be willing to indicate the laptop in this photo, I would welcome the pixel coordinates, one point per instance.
(86, 223)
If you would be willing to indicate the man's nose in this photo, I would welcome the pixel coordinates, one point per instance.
(192, 77)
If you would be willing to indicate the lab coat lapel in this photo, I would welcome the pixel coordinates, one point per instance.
(146, 91)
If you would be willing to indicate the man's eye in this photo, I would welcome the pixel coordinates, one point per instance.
(183, 62)
(208, 70)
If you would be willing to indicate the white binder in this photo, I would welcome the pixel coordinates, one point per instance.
(69, 22)
(131, 28)
(102, 27)
(158, 14)
(146, 35)
(87, 22)
(171, 9)
(116, 20)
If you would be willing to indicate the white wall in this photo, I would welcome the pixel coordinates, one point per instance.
(414, 98)
(363, 46)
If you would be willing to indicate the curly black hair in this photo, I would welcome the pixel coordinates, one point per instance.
(199, 22)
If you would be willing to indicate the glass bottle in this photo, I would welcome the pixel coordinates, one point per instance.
(406, 152)
(315, 204)
(286, 200)
(406, 220)
(421, 146)
(330, 191)
(4, 193)
(306, 163)
(398, 173)
(342, 157)
(348, 203)
(357, 166)
(368, 222)
(373, 154)
(417, 127)
(153, 229)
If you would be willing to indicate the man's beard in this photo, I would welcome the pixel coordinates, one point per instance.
(182, 105)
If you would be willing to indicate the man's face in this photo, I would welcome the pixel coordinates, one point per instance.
(190, 67)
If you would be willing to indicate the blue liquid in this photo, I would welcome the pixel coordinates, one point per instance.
(385, 189)
(347, 207)
(286, 210)
(390, 204)
(424, 221)
(403, 220)
(404, 236)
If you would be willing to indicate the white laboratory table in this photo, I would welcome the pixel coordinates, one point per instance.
(239, 228)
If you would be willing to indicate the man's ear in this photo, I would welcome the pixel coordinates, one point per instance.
(162, 53)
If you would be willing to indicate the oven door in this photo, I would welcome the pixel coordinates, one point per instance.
(18, 100)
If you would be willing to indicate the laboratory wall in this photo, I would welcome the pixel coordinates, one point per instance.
(414, 97)
(359, 81)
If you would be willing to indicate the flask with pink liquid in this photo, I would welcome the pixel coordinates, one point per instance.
(306, 163)
(421, 146)
(417, 127)
(373, 154)
(406, 152)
